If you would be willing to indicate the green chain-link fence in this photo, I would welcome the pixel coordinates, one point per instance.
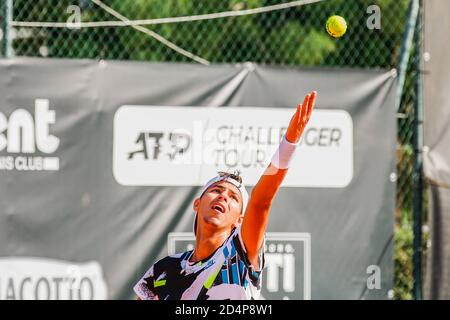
(292, 36)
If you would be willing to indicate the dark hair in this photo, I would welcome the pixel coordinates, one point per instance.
(235, 176)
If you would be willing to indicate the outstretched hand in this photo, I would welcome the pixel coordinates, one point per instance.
(301, 118)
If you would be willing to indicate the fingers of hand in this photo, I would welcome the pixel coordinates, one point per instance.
(297, 112)
(304, 111)
(304, 114)
(311, 104)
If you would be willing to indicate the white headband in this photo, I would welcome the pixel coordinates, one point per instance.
(225, 178)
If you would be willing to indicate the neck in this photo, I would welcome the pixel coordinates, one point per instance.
(208, 242)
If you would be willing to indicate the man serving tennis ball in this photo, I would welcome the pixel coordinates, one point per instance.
(228, 256)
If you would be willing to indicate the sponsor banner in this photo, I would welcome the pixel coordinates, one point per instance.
(32, 278)
(173, 146)
(101, 160)
(24, 135)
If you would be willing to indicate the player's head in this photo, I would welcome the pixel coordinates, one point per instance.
(222, 202)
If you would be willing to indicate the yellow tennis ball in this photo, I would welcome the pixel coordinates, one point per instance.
(336, 26)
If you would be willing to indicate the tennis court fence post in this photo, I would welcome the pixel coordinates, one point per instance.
(6, 28)
(407, 43)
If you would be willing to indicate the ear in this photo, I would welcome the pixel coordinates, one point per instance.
(196, 204)
(238, 221)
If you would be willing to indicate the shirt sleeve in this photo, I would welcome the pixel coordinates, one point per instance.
(144, 287)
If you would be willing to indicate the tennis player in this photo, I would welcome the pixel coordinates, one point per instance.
(228, 256)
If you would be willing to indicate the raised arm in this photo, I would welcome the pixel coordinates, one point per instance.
(257, 213)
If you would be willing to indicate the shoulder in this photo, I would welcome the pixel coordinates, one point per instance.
(235, 251)
(172, 257)
(256, 264)
(234, 244)
(169, 261)
(145, 288)
(175, 256)
(163, 264)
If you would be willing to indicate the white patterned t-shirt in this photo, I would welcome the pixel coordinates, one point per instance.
(226, 274)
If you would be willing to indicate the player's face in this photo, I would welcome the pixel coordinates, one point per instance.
(220, 205)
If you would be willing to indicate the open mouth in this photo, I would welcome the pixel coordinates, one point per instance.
(218, 207)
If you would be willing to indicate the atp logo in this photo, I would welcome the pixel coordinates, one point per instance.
(22, 136)
(287, 269)
(155, 145)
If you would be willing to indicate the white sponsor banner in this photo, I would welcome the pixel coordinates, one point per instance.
(185, 146)
(32, 278)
